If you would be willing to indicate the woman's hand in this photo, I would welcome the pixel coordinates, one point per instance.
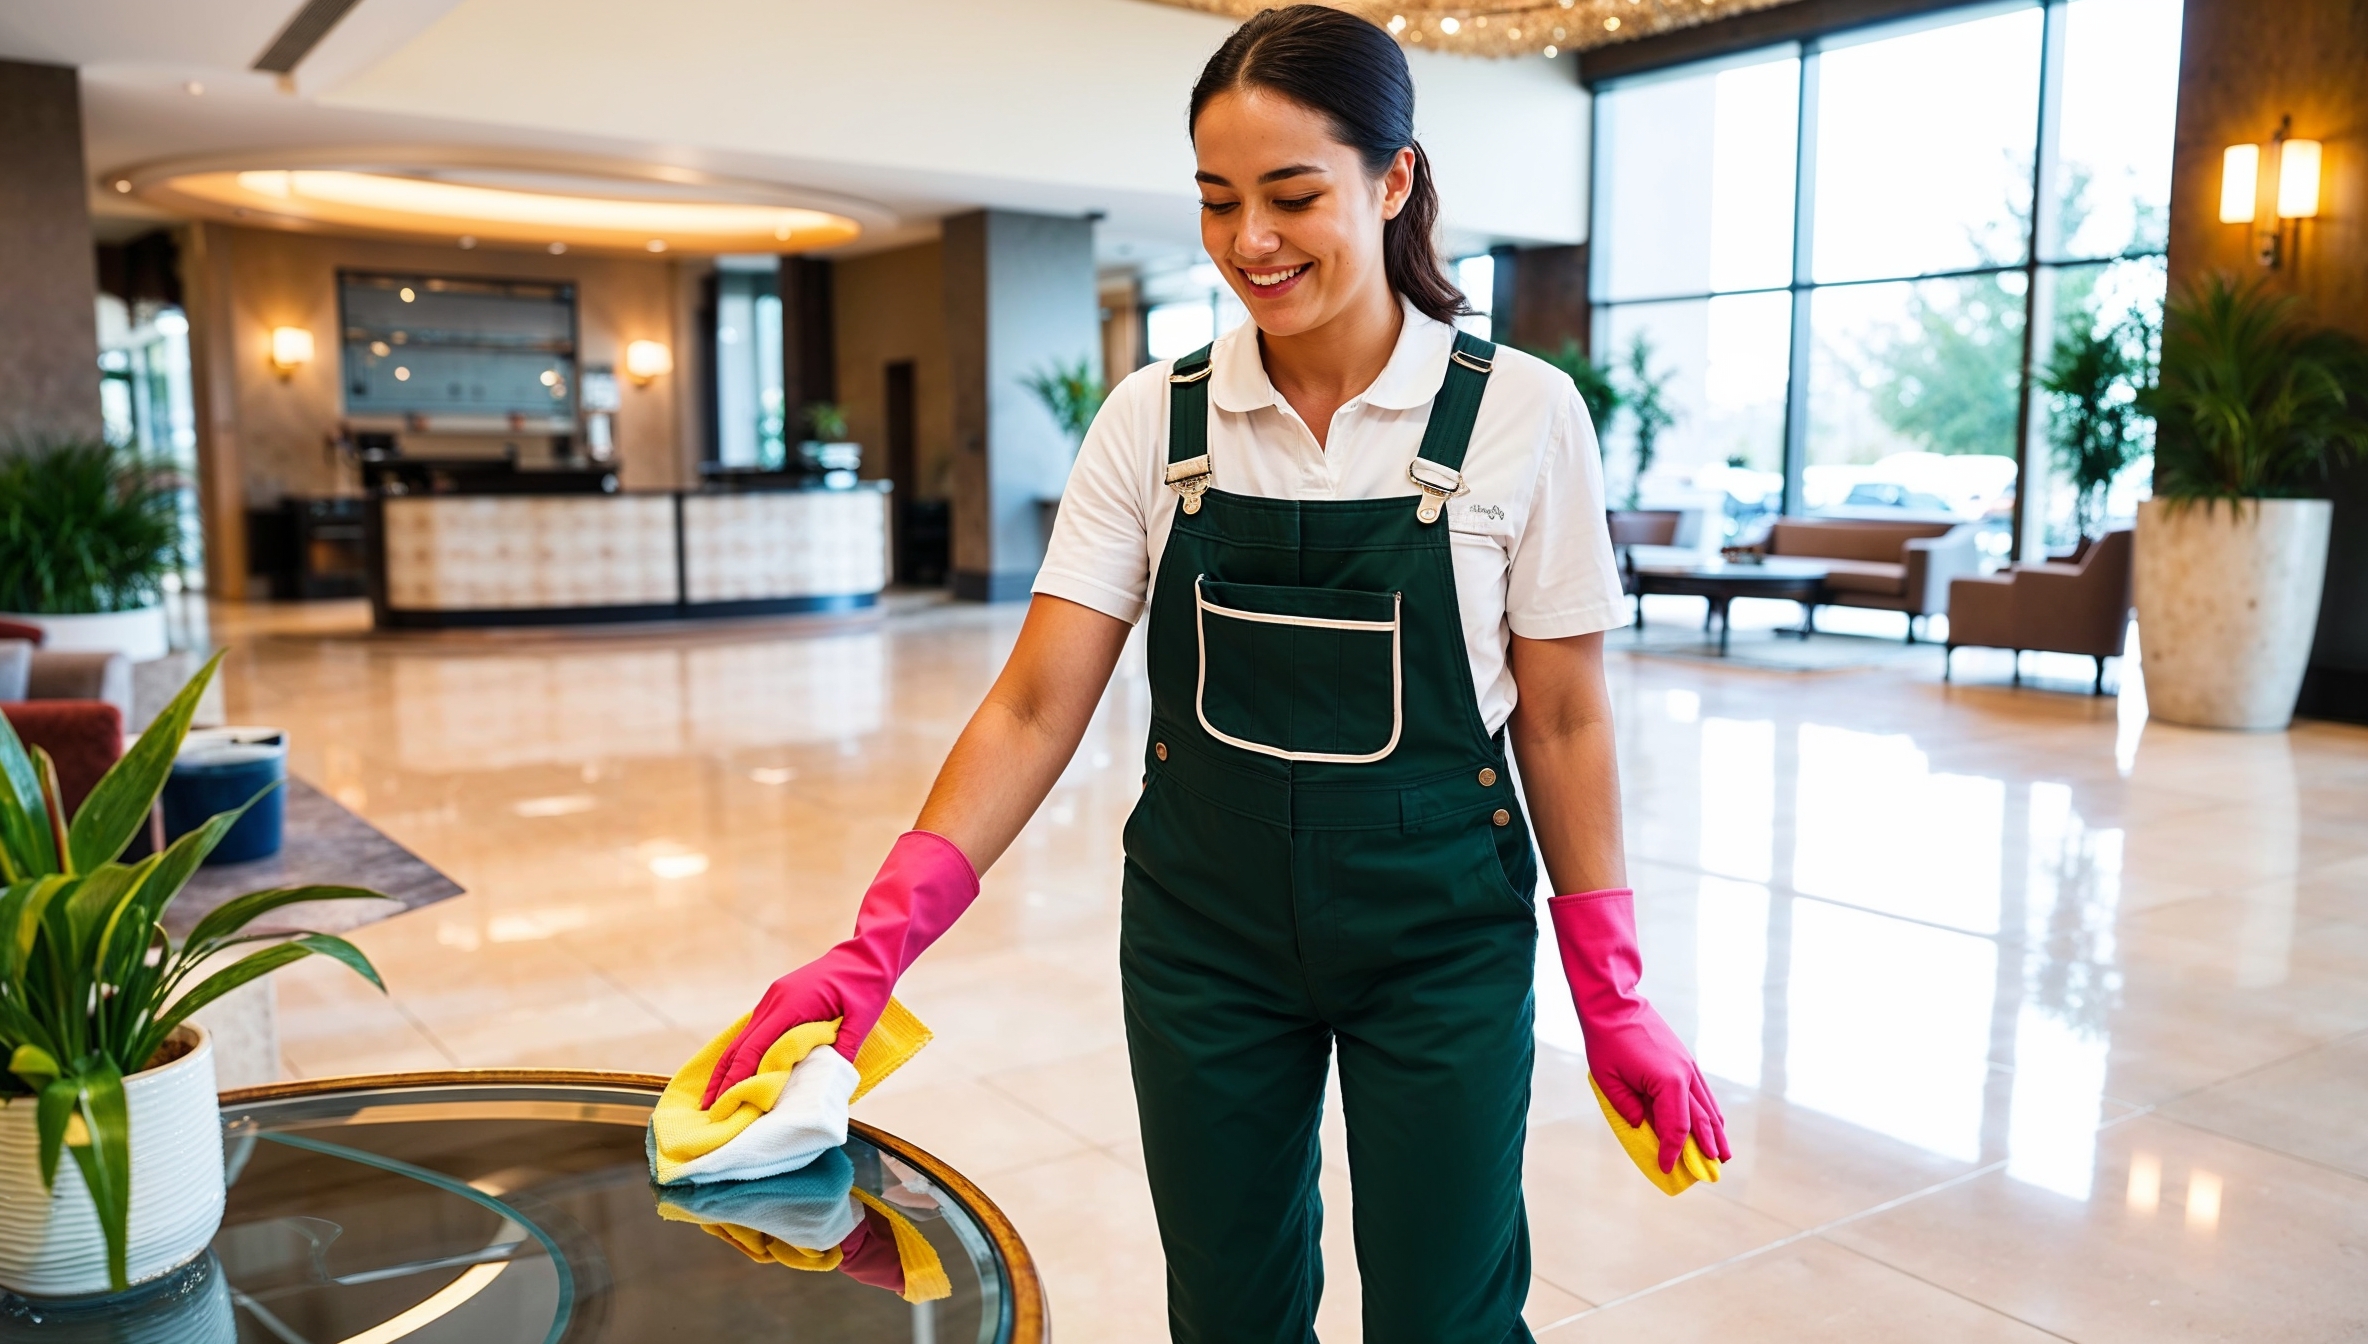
(1562, 737)
(1643, 1069)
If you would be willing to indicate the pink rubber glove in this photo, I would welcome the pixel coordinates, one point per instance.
(922, 889)
(1637, 1060)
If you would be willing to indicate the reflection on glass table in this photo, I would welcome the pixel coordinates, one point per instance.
(438, 1209)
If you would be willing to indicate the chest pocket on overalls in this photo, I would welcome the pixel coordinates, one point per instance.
(1303, 674)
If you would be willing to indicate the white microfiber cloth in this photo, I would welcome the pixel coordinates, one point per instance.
(793, 1109)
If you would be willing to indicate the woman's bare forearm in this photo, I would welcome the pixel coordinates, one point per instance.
(1570, 765)
(1023, 734)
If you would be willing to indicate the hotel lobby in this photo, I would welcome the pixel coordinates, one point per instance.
(596, 461)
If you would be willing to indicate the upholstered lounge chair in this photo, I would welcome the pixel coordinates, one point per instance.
(2078, 605)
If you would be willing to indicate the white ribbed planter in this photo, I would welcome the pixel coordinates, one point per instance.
(138, 635)
(2228, 601)
(50, 1245)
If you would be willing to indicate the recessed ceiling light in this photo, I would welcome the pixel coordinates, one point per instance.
(193, 88)
(123, 184)
(467, 241)
(402, 375)
(445, 209)
(655, 244)
(405, 294)
(556, 248)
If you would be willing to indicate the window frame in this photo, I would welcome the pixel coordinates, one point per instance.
(2042, 262)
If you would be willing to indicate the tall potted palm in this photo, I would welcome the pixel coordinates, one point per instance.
(103, 1064)
(2252, 407)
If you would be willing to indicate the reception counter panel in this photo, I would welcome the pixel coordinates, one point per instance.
(480, 560)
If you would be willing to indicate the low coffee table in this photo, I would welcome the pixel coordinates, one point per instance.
(1721, 581)
(514, 1207)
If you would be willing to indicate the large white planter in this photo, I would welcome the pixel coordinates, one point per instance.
(2228, 600)
(138, 635)
(50, 1245)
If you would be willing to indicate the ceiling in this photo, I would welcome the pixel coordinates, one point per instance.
(890, 117)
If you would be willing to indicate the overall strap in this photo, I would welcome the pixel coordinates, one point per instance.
(1438, 466)
(1188, 428)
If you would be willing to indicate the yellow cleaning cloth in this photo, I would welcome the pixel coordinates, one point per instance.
(1644, 1149)
(682, 1132)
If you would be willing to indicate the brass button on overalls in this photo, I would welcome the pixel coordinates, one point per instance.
(1487, 778)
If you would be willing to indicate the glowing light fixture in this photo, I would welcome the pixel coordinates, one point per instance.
(291, 349)
(2240, 176)
(632, 220)
(645, 360)
(2291, 181)
(2298, 179)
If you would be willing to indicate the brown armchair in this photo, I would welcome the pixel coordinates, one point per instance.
(2079, 605)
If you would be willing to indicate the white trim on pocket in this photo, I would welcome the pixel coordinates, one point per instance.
(1395, 625)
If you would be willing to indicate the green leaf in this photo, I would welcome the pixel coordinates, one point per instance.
(236, 913)
(36, 1066)
(29, 848)
(339, 950)
(258, 964)
(53, 806)
(108, 963)
(119, 803)
(28, 914)
(51, 1114)
(106, 1157)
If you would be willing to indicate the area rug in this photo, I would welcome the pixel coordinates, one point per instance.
(1766, 650)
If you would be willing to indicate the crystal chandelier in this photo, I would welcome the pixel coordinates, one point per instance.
(1515, 27)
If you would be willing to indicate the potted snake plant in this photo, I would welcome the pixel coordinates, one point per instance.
(2252, 408)
(104, 1066)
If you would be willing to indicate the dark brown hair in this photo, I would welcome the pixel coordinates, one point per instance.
(1353, 73)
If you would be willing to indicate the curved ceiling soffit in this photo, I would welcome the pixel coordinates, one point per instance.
(558, 174)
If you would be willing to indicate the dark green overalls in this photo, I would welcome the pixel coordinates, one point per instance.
(1328, 855)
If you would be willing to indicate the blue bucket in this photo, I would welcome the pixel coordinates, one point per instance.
(218, 770)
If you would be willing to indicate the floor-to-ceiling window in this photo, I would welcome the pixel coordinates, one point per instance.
(1827, 256)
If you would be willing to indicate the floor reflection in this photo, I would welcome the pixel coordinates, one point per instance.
(2011, 996)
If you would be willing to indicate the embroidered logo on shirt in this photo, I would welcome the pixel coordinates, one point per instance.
(1488, 511)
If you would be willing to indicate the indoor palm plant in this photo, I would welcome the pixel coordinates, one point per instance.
(88, 532)
(95, 996)
(2252, 408)
(2093, 380)
(1072, 392)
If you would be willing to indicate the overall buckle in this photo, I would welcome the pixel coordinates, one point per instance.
(1439, 483)
(1190, 478)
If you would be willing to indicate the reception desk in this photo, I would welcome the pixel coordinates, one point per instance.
(443, 561)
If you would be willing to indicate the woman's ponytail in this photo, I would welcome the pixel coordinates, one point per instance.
(1353, 73)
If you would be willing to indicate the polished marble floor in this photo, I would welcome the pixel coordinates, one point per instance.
(2032, 1020)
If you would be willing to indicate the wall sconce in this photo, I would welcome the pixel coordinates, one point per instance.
(645, 360)
(2293, 182)
(291, 348)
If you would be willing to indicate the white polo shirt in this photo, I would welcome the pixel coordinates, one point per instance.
(1531, 553)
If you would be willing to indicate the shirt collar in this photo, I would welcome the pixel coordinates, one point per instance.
(1418, 365)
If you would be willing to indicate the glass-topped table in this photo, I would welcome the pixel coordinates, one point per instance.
(511, 1206)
